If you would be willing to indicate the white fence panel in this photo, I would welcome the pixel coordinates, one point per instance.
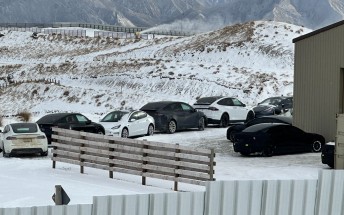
(181, 203)
(275, 197)
(85, 209)
(233, 197)
(121, 205)
(330, 198)
(285, 197)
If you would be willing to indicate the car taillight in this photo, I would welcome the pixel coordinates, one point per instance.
(11, 138)
(41, 137)
(213, 108)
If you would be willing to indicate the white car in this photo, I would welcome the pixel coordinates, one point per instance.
(23, 138)
(223, 110)
(128, 123)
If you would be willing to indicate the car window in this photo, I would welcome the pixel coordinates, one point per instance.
(186, 107)
(236, 102)
(141, 115)
(226, 102)
(113, 116)
(81, 118)
(207, 100)
(174, 107)
(134, 115)
(6, 129)
(24, 128)
(68, 119)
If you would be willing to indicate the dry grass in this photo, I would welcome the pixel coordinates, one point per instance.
(24, 116)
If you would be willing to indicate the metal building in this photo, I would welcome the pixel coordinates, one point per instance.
(318, 80)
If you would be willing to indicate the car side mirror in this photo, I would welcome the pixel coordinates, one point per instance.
(0, 131)
(243, 105)
(88, 122)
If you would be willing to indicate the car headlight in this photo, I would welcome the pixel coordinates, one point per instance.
(116, 127)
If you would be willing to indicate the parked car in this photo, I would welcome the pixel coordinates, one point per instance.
(274, 106)
(231, 131)
(128, 123)
(327, 154)
(276, 138)
(223, 110)
(171, 116)
(73, 121)
(23, 138)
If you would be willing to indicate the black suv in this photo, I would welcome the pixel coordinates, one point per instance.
(274, 106)
(73, 121)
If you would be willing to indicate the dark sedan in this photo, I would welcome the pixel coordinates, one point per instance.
(274, 106)
(269, 139)
(73, 121)
(327, 154)
(171, 116)
(231, 131)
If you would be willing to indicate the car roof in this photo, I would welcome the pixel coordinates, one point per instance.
(22, 123)
(157, 105)
(51, 118)
(286, 119)
(210, 99)
(262, 126)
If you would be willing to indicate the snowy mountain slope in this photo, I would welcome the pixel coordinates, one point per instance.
(250, 61)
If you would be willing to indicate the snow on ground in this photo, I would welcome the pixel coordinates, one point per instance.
(30, 181)
(251, 61)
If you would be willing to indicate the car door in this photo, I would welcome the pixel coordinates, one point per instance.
(134, 124)
(227, 105)
(82, 123)
(191, 116)
(143, 122)
(239, 109)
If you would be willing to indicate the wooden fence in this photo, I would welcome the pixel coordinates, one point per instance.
(171, 162)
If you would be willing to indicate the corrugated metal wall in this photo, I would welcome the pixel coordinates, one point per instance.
(324, 196)
(84, 209)
(277, 197)
(181, 203)
(330, 197)
(317, 82)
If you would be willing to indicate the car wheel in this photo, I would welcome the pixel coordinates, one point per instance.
(150, 130)
(99, 131)
(268, 151)
(125, 133)
(4, 154)
(224, 121)
(172, 127)
(250, 116)
(316, 146)
(231, 135)
(201, 124)
(44, 154)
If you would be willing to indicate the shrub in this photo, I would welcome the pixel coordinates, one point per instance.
(66, 93)
(24, 116)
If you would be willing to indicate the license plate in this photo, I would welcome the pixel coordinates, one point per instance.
(27, 140)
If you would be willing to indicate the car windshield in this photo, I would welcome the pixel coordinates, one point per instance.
(24, 128)
(207, 100)
(271, 101)
(114, 116)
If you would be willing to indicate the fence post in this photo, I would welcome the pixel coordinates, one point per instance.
(111, 157)
(144, 162)
(211, 169)
(177, 167)
(81, 153)
(54, 154)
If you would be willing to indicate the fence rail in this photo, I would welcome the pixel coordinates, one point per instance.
(36, 27)
(143, 158)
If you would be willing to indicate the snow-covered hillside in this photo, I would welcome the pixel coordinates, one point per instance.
(250, 61)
